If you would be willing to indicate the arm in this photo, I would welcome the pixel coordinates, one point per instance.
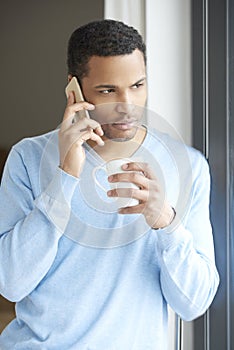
(189, 278)
(30, 228)
(188, 275)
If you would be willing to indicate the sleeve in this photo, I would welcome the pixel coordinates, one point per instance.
(189, 278)
(30, 228)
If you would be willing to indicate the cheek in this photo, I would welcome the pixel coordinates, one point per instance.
(139, 97)
(104, 113)
(144, 94)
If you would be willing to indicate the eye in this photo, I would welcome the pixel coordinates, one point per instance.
(106, 91)
(138, 85)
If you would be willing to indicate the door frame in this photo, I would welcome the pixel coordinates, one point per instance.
(213, 134)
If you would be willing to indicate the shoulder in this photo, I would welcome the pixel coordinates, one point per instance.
(181, 153)
(31, 144)
(30, 151)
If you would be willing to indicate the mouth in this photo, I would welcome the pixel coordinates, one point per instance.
(125, 124)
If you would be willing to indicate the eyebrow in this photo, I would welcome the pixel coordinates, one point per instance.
(108, 86)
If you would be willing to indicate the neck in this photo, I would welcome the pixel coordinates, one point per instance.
(117, 149)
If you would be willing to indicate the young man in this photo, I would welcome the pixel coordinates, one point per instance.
(84, 275)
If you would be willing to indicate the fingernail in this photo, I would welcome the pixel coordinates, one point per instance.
(91, 107)
(109, 193)
(110, 178)
(125, 166)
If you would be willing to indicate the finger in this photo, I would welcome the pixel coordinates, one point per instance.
(96, 138)
(85, 124)
(152, 220)
(81, 124)
(141, 195)
(88, 123)
(136, 178)
(140, 166)
(70, 98)
(73, 108)
(98, 130)
(135, 209)
(87, 135)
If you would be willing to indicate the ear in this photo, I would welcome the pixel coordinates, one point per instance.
(69, 78)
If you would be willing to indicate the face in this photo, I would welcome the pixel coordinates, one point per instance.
(116, 85)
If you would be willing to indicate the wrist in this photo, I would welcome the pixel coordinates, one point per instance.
(168, 219)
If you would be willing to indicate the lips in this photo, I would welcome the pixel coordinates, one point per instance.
(124, 125)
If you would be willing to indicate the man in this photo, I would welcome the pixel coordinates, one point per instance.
(85, 276)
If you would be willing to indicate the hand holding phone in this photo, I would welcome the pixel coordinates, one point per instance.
(74, 86)
(77, 127)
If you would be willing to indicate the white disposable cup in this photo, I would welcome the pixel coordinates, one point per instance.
(112, 167)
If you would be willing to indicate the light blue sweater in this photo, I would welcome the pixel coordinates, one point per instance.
(84, 277)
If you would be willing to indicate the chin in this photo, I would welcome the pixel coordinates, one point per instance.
(114, 134)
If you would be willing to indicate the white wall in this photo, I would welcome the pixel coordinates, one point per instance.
(131, 12)
(168, 38)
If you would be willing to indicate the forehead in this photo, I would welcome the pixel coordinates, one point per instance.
(114, 68)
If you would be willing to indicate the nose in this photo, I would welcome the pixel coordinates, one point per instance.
(125, 97)
(124, 107)
(124, 104)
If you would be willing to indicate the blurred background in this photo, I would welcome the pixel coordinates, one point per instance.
(34, 37)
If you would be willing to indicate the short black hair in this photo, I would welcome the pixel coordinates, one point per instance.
(101, 38)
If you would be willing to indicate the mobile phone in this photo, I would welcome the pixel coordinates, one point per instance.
(74, 86)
